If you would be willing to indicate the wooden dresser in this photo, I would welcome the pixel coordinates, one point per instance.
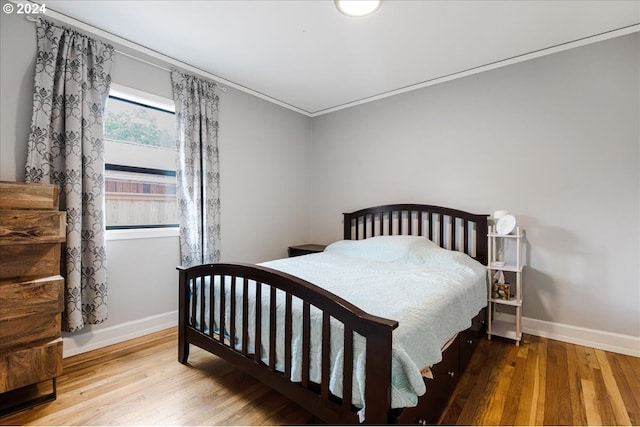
(31, 293)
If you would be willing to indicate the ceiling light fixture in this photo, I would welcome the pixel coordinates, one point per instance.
(357, 7)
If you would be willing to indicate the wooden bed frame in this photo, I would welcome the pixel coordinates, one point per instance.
(450, 228)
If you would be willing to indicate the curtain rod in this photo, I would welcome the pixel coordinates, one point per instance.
(222, 88)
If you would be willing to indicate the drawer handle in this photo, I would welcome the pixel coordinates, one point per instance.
(451, 374)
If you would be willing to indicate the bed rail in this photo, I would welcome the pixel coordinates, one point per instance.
(450, 228)
(230, 341)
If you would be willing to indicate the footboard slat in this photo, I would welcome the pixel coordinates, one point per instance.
(222, 307)
(245, 317)
(202, 305)
(347, 369)
(232, 312)
(272, 329)
(257, 339)
(194, 301)
(287, 336)
(306, 343)
(212, 304)
(326, 352)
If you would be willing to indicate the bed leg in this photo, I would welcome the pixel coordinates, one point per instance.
(183, 351)
(183, 345)
(183, 309)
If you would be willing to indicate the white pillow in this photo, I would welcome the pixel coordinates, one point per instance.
(384, 248)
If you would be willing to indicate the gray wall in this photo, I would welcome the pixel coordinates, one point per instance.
(265, 153)
(554, 140)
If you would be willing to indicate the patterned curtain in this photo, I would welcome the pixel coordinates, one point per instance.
(65, 147)
(197, 175)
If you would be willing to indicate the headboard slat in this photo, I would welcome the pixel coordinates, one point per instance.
(465, 235)
(452, 234)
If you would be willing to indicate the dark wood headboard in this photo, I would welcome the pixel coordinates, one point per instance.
(449, 228)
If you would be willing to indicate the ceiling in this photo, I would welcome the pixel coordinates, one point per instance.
(311, 58)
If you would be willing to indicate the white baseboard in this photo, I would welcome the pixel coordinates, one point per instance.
(609, 341)
(97, 337)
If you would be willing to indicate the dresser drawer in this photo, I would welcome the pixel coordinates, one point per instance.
(40, 296)
(30, 366)
(26, 261)
(469, 340)
(439, 389)
(18, 195)
(31, 227)
(478, 323)
(22, 331)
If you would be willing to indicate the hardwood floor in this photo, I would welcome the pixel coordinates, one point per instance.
(546, 382)
(542, 382)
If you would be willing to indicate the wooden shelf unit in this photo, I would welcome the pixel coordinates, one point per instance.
(499, 327)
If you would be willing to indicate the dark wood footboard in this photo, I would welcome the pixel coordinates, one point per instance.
(231, 342)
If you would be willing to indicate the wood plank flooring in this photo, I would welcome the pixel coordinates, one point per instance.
(140, 382)
(546, 382)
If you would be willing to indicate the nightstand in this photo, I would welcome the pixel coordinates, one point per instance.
(305, 249)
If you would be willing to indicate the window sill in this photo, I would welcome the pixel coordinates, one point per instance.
(142, 233)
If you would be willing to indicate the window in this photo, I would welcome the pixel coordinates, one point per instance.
(140, 183)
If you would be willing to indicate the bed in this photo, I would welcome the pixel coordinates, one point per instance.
(289, 324)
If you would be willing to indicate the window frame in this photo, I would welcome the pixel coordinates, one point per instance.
(128, 232)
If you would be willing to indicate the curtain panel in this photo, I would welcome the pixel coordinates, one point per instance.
(65, 147)
(197, 168)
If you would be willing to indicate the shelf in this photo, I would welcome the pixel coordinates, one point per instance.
(506, 267)
(513, 302)
(512, 236)
(504, 329)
